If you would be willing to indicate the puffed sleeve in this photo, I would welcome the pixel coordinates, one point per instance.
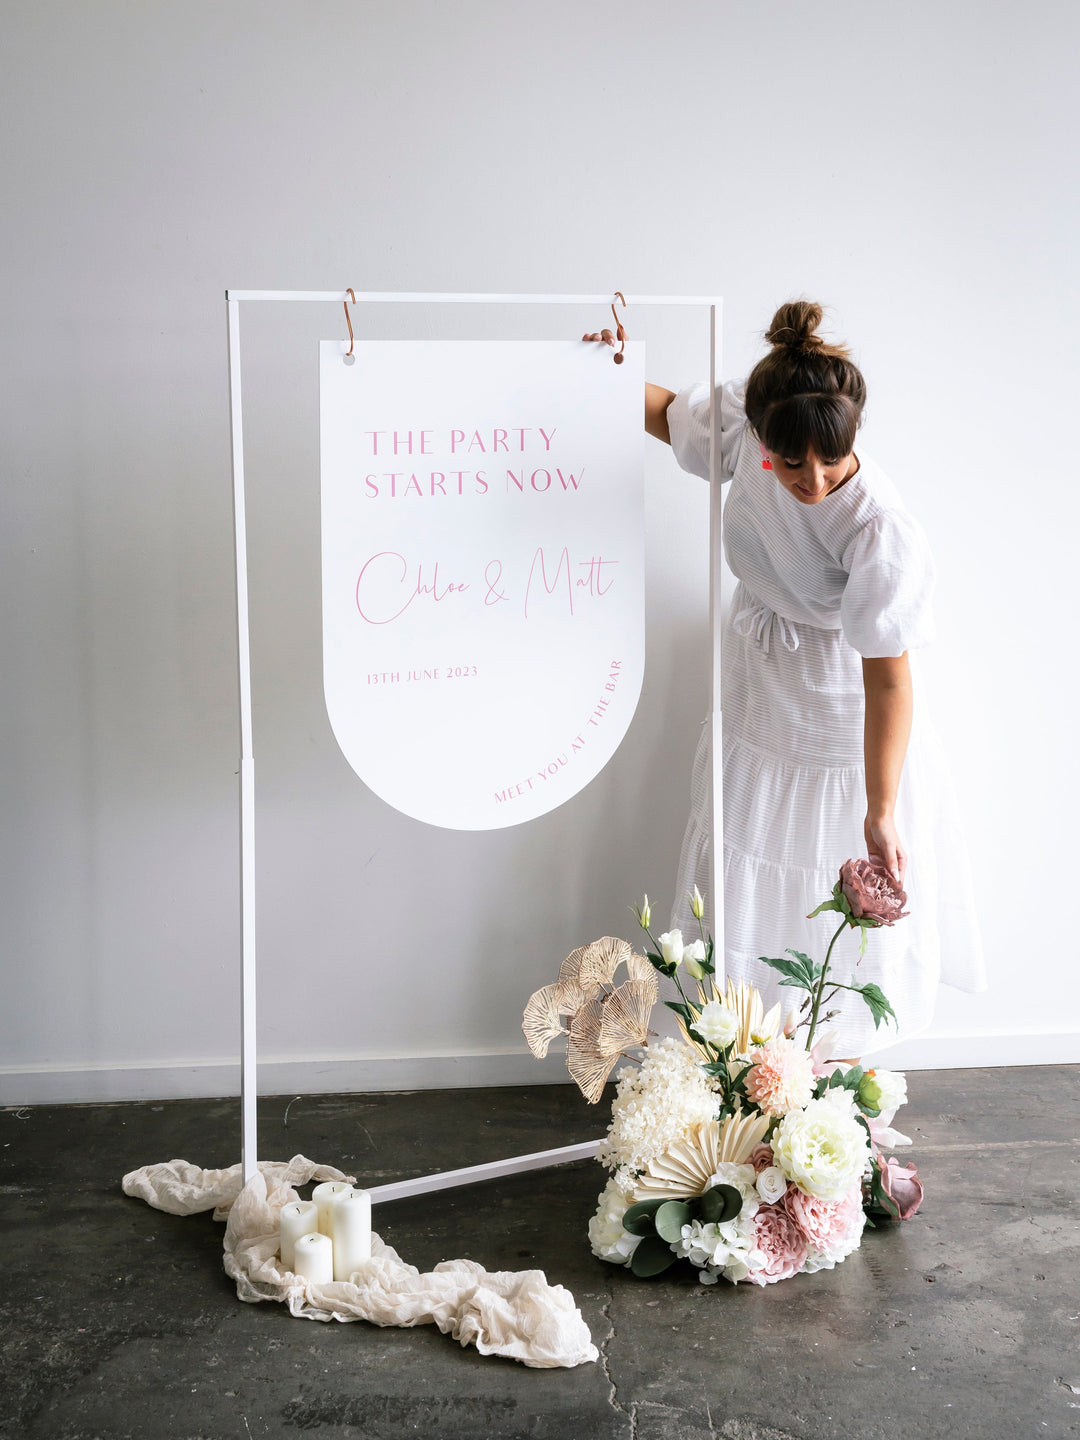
(688, 422)
(886, 608)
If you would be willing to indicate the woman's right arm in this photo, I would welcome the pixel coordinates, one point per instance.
(657, 400)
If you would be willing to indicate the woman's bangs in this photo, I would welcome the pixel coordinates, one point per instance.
(825, 424)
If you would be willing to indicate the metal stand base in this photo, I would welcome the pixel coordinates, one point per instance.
(472, 1174)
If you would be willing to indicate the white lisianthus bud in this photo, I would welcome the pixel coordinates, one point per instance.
(717, 1024)
(697, 904)
(671, 946)
(644, 915)
(771, 1184)
(693, 958)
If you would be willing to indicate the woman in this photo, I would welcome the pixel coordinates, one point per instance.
(821, 759)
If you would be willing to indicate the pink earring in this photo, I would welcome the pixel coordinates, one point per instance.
(766, 463)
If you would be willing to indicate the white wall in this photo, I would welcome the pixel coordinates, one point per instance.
(911, 165)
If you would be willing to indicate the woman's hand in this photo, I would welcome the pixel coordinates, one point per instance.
(883, 843)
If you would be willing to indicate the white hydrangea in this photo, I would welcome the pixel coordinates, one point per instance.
(726, 1249)
(717, 1024)
(656, 1104)
(822, 1148)
(607, 1237)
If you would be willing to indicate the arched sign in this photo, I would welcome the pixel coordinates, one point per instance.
(482, 570)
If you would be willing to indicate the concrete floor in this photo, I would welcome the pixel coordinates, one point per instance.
(118, 1321)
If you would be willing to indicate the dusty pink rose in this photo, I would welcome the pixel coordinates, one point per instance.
(872, 892)
(761, 1157)
(781, 1242)
(901, 1186)
(832, 1226)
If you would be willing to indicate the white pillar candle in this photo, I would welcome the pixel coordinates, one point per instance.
(352, 1232)
(299, 1217)
(324, 1196)
(313, 1258)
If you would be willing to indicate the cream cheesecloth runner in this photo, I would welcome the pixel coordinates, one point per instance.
(512, 1313)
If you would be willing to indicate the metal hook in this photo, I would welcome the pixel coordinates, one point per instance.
(620, 332)
(349, 358)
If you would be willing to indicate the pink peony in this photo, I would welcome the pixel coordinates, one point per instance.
(831, 1227)
(782, 1078)
(781, 1242)
(900, 1186)
(872, 892)
(761, 1157)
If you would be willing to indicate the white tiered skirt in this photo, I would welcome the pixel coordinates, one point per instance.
(794, 805)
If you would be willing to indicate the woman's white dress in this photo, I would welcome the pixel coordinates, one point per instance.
(821, 586)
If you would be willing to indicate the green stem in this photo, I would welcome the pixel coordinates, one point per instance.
(820, 990)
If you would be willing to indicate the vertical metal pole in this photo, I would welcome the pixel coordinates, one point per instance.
(716, 711)
(248, 1074)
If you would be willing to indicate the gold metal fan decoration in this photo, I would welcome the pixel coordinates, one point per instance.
(603, 1020)
(686, 1167)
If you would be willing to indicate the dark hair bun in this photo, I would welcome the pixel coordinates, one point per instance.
(805, 392)
(794, 326)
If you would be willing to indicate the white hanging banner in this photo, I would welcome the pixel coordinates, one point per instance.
(482, 570)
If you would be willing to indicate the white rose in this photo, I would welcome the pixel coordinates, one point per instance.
(822, 1148)
(717, 1024)
(607, 1237)
(771, 1184)
(671, 946)
(694, 957)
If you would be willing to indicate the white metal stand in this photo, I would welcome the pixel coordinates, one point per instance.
(248, 1035)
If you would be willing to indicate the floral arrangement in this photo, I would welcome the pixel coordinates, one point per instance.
(739, 1146)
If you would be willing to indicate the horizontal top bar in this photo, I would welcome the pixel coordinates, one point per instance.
(368, 297)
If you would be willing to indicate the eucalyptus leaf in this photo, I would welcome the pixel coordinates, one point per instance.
(652, 1257)
(670, 1219)
(639, 1220)
(720, 1204)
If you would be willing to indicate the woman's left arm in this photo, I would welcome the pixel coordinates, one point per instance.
(887, 684)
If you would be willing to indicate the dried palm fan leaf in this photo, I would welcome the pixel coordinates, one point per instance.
(685, 1168)
(754, 1024)
(740, 1135)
